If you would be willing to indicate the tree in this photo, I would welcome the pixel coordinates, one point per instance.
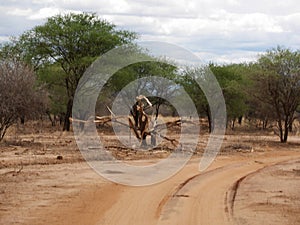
(142, 78)
(71, 41)
(278, 85)
(259, 112)
(232, 81)
(19, 95)
(187, 80)
(50, 76)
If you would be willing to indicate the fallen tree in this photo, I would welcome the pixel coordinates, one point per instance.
(140, 123)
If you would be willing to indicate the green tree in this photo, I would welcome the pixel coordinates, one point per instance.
(50, 75)
(187, 80)
(233, 83)
(190, 80)
(259, 112)
(72, 42)
(143, 74)
(277, 84)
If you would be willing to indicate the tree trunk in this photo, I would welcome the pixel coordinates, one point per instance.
(286, 130)
(285, 136)
(51, 119)
(22, 119)
(240, 119)
(283, 131)
(291, 125)
(68, 114)
(233, 124)
(265, 123)
(280, 128)
(2, 132)
(61, 118)
(210, 125)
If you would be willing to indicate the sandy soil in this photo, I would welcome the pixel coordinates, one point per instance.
(270, 195)
(254, 180)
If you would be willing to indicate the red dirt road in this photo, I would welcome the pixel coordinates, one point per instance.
(75, 194)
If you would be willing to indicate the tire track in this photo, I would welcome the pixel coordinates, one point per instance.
(232, 192)
(194, 190)
(208, 198)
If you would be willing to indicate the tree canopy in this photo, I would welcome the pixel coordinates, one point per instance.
(20, 97)
(59, 52)
(72, 42)
(278, 80)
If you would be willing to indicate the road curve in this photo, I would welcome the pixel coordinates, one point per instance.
(189, 197)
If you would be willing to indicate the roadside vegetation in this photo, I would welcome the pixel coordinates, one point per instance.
(40, 71)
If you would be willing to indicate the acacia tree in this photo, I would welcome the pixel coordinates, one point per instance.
(277, 84)
(19, 95)
(187, 80)
(50, 76)
(143, 79)
(71, 41)
(231, 83)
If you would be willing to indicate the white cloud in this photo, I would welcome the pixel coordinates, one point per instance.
(236, 56)
(44, 13)
(19, 12)
(220, 29)
(4, 39)
(104, 6)
(291, 22)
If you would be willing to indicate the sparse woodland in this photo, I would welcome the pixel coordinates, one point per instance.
(40, 70)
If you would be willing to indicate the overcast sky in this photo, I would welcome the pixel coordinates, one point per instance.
(216, 30)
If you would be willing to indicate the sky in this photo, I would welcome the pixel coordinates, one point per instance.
(221, 31)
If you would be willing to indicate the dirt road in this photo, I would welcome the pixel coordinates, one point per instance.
(189, 197)
(75, 194)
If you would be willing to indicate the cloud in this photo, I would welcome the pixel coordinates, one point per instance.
(237, 56)
(20, 12)
(221, 30)
(4, 39)
(44, 13)
(47, 12)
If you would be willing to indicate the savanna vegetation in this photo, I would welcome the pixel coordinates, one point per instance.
(40, 71)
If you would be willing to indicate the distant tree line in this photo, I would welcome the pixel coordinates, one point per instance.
(40, 71)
